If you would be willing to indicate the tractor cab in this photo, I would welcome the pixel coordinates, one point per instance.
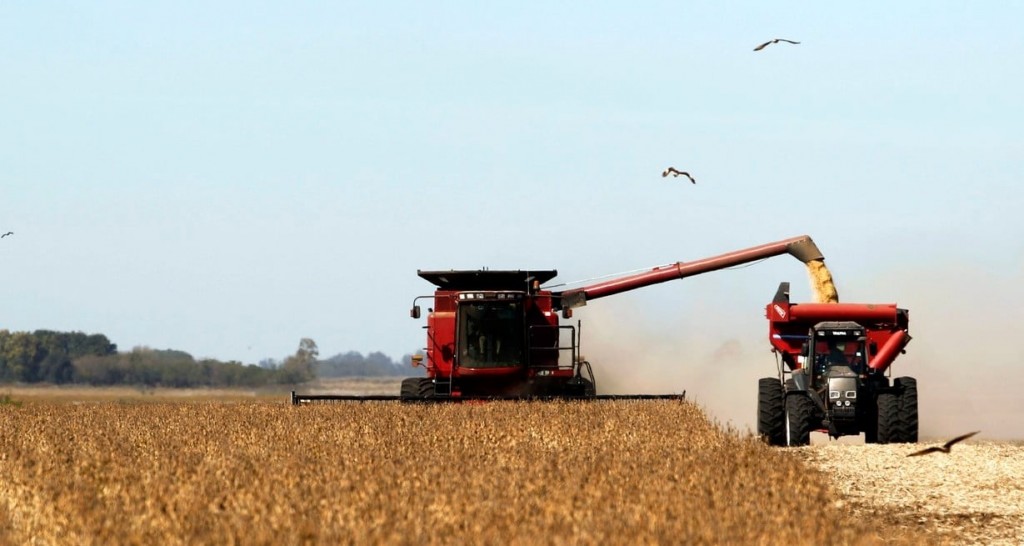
(837, 352)
(836, 344)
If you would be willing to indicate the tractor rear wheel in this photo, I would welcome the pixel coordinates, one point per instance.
(771, 411)
(890, 422)
(908, 407)
(800, 413)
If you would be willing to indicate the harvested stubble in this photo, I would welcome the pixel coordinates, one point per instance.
(973, 495)
(497, 473)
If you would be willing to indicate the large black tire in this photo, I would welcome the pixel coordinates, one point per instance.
(586, 387)
(801, 413)
(410, 388)
(417, 388)
(890, 422)
(771, 411)
(908, 408)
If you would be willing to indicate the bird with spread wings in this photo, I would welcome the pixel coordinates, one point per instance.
(6, 234)
(944, 448)
(775, 41)
(674, 172)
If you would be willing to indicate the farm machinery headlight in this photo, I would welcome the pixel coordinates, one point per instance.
(543, 373)
(841, 403)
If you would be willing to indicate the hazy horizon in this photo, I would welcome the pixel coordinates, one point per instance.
(228, 179)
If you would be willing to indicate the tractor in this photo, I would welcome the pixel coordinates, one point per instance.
(834, 366)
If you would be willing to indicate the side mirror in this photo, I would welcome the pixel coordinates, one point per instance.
(415, 312)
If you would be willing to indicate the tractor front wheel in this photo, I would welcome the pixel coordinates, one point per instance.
(800, 413)
(890, 422)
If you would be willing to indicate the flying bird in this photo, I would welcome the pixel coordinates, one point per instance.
(775, 41)
(674, 172)
(945, 447)
(6, 234)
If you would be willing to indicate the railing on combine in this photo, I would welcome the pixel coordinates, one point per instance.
(536, 350)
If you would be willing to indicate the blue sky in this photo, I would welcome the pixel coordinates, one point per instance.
(228, 179)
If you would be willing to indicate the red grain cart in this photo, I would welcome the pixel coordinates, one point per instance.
(834, 362)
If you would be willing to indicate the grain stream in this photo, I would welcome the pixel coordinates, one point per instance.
(821, 282)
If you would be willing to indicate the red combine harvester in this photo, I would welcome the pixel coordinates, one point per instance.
(836, 357)
(496, 334)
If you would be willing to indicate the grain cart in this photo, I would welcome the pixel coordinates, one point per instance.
(834, 360)
(496, 334)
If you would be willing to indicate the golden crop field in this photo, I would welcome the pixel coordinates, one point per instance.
(264, 472)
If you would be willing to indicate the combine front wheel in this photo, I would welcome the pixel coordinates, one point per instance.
(410, 388)
(581, 387)
(417, 388)
(771, 411)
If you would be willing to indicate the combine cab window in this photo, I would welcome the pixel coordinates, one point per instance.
(491, 334)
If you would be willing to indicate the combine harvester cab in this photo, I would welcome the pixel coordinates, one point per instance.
(496, 334)
(834, 365)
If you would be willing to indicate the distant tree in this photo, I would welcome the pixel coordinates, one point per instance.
(375, 364)
(20, 353)
(301, 366)
(100, 370)
(62, 357)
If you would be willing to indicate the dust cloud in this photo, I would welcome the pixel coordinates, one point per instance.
(633, 353)
(966, 353)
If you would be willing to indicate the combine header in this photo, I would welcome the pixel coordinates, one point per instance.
(496, 334)
(833, 364)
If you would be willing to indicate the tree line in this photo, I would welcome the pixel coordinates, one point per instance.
(46, 356)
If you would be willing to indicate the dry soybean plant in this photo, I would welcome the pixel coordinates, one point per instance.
(639, 472)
